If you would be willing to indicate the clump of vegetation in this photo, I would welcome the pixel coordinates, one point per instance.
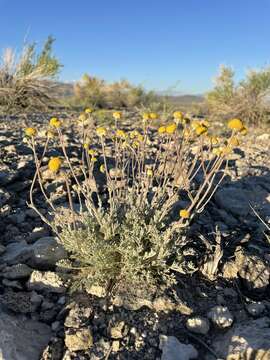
(98, 93)
(129, 229)
(25, 81)
(249, 99)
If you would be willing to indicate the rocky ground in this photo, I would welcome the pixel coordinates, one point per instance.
(219, 314)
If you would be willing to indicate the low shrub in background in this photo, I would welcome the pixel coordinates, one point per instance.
(129, 230)
(25, 81)
(249, 99)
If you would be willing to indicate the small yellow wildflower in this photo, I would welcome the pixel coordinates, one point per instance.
(50, 134)
(140, 137)
(121, 133)
(93, 159)
(135, 144)
(82, 118)
(214, 140)
(186, 133)
(153, 115)
(243, 131)
(194, 124)
(149, 172)
(30, 131)
(117, 115)
(162, 129)
(55, 122)
(170, 129)
(133, 134)
(184, 214)
(146, 116)
(88, 110)
(178, 115)
(201, 130)
(101, 131)
(92, 152)
(234, 141)
(217, 151)
(235, 124)
(54, 164)
(102, 168)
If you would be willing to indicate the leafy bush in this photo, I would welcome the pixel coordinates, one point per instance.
(248, 99)
(96, 92)
(24, 82)
(130, 228)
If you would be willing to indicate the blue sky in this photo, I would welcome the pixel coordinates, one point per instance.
(159, 44)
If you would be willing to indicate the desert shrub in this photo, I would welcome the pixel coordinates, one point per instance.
(248, 99)
(96, 92)
(130, 227)
(25, 80)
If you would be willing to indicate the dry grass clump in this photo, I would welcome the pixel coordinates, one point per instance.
(249, 99)
(24, 80)
(129, 229)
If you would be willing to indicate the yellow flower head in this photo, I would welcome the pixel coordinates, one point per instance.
(55, 122)
(244, 131)
(235, 124)
(217, 151)
(162, 130)
(170, 129)
(54, 164)
(92, 152)
(93, 159)
(194, 124)
(140, 137)
(120, 133)
(146, 116)
(86, 146)
(82, 118)
(135, 144)
(234, 141)
(117, 115)
(102, 168)
(201, 130)
(88, 110)
(184, 214)
(214, 140)
(149, 172)
(101, 131)
(178, 115)
(186, 133)
(133, 134)
(30, 131)
(153, 115)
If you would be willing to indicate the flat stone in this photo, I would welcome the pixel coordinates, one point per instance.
(81, 339)
(46, 281)
(18, 271)
(173, 349)
(220, 316)
(21, 338)
(198, 325)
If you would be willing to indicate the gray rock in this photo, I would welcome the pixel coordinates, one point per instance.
(17, 253)
(22, 339)
(81, 339)
(46, 253)
(220, 316)
(2, 249)
(255, 309)
(78, 316)
(246, 340)
(173, 349)
(18, 271)
(46, 281)
(233, 200)
(198, 325)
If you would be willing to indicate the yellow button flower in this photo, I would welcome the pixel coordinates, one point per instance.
(201, 130)
(184, 214)
(54, 164)
(88, 110)
(153, 115)
(146, 116)
(82, 118)
(55, 122)
(120, 133)
(217, 151)
(92, 152)
(101, 131)
(93, 159)
(234, 141)
(243, 131)
(140, 137)
(178, 115)
(117, 115)
(214, 140)
(149, 172)
(170, 129)
(102, 168)
(162, 129)
(235, 124)
(194, 124)
(30, 131)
